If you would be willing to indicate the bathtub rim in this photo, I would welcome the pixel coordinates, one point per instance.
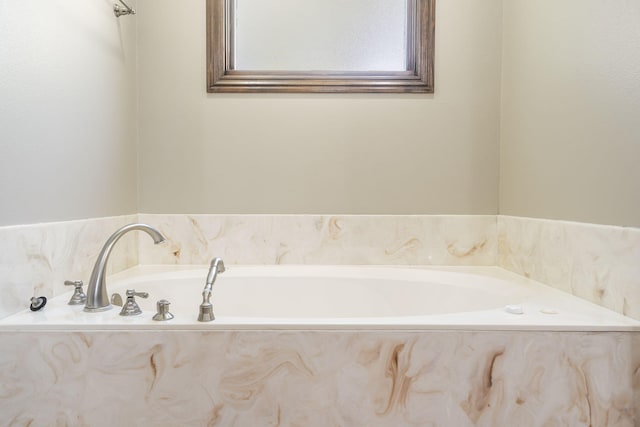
(474, 321)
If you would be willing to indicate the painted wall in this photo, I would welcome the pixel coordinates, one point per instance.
(570, 138)
(571, 110)
(67, 111)
(374, 154)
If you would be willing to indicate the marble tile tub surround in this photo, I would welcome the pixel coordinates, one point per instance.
(324, 239)
(598, 263)
(306, 378)
(37, 259)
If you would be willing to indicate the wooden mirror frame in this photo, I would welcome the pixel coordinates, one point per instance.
(223, 77)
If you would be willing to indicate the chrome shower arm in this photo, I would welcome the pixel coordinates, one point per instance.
(119, 11)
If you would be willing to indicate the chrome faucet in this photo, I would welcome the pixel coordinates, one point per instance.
(206, 309)
(97, 298)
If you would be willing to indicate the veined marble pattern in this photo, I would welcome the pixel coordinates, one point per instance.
(598, 263)
(36, 259)
(316, 239)
(324, 379)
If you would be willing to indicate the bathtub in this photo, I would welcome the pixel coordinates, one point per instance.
(324, 346)
(335, 297)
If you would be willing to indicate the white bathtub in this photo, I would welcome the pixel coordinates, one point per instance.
(343, 297)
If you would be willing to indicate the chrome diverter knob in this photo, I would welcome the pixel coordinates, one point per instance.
(163, 311)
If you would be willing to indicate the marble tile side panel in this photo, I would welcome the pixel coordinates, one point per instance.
(37, 259)
(312, 239)
(598, 263)
(322, 379)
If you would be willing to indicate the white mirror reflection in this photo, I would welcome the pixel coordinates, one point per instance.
(320, 35)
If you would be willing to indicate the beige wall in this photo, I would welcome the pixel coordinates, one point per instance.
(395, 154)
(571, 110)
(67, 111)
(569, 128)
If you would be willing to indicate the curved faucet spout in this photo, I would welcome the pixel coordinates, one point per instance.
(97, 295)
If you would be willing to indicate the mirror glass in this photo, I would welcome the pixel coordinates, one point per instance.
(320, 45)
(320, 35)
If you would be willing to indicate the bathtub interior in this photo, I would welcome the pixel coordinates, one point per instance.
(336, 292)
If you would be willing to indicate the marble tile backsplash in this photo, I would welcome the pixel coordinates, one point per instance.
(36, 259)
(598, 263)
(317, 239)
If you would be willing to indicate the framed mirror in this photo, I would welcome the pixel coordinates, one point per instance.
(320, 46)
